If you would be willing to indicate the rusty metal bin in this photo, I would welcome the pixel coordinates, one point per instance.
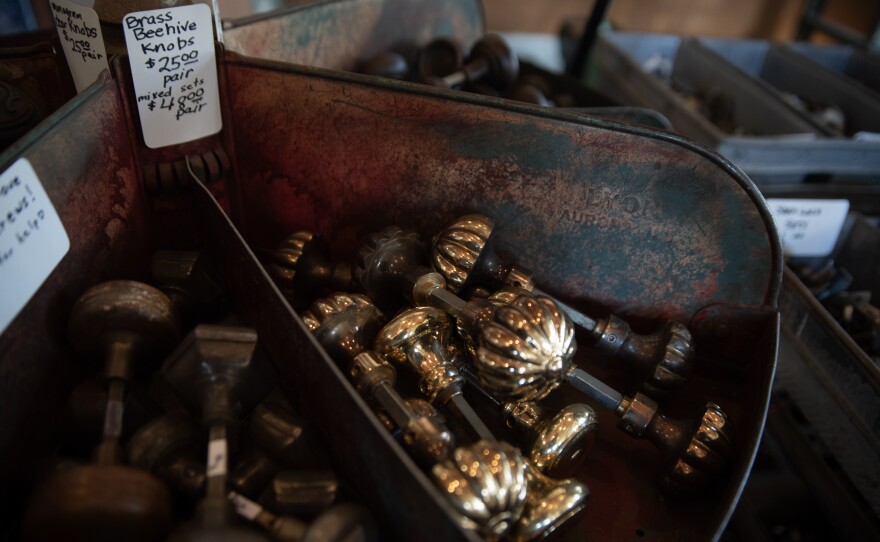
(615, 218)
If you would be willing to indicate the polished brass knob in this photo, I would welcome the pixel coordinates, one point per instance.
(561, 442)
(696, 452)
(464, 254)
(487, 485)
(526, 350)
(550, 505)
(418, 338)
(523, 348)
(385, 264)
(345, 324)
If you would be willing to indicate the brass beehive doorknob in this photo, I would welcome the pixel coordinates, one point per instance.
(465, 255)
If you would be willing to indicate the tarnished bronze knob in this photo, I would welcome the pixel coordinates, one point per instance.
(168, 446)
(386, 64)
(440, 57)
(303, 273)
(696, 451)
(491, 61)
(487, 484)
(125, 322)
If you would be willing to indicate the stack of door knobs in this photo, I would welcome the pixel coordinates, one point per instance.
(491, 68)
(173, 478)
(511, 343)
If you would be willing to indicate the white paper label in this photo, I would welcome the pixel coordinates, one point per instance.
(216, 457)
(173, 67)
(80, 32)
(245, 507)
(32, 238)
(808, 227)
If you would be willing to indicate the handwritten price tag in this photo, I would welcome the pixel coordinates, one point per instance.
(808, 227)
(171, 52)
(82, 41)
(32, 238)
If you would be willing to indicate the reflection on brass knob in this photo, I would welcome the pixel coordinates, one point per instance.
(486, 483)
(460, 255)
(344, 324)
(419, 337)
(526, 350)
(550, 504)
(561, 442)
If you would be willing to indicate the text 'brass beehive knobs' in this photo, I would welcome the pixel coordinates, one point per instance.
(487, 484)
(526, 350)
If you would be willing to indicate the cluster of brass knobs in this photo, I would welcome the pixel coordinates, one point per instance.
(193, 441)
(466, 319)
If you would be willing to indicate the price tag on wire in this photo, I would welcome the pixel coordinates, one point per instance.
(174, 71)
(808, 227)
(32, 238)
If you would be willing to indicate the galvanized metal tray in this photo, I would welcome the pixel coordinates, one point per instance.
(643, 223)
(783, 165)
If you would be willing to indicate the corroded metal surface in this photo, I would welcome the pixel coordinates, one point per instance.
(340, 34)
(640, 222)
